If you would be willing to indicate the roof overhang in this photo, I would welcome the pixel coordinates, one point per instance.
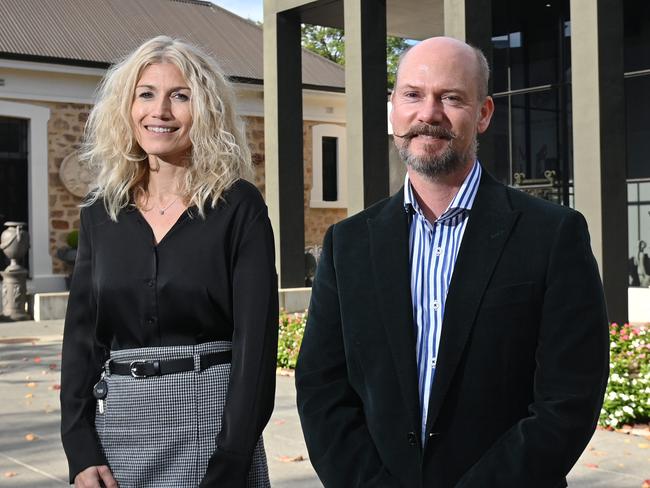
(410, 19)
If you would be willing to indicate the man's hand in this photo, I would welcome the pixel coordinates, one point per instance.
(95, 477)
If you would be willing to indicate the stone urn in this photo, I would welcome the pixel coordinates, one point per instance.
(14, 242)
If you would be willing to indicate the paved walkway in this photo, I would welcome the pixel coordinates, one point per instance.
(31, 453)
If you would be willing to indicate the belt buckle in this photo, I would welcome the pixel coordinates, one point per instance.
(133, 367)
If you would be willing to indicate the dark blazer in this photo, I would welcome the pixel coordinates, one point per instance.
(523, 358)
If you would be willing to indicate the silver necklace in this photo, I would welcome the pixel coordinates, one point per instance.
(162, 210)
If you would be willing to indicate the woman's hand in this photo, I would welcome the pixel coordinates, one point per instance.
(95, 477)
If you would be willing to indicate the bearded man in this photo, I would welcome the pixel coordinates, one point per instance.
(457, 332)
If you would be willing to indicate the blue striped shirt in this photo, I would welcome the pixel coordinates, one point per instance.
(433, 248)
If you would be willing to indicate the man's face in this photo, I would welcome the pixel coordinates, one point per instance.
(437, 113)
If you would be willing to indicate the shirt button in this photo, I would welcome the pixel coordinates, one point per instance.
(150, 283)
(151, 321)
(436, 304)
(438, 251)
(433, 362)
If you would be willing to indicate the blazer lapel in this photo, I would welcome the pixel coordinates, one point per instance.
(490, 223)
(389, 243)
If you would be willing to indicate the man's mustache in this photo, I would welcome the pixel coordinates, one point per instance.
(427, 130)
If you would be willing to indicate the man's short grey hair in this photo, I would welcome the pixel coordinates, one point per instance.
(483, 73)
(482, 64)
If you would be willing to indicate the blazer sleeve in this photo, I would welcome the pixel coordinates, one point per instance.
(331, 413)
(572, 364)
(81, 363)
(251, 387)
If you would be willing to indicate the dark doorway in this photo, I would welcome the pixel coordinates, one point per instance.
(13, 173)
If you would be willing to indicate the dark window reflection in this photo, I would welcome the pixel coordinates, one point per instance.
(330, 169)
(637, 34)
(637, 99)
(530, 43)
(531, 81)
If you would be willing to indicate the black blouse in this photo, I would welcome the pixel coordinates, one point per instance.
(207, 280)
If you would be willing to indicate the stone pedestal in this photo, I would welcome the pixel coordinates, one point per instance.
(14, 242)
(14, 293)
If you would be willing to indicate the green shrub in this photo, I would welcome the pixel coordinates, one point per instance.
(72, 239)
(627, 399)
(292, 327)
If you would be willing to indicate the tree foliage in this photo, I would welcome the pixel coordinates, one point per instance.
(330, 43)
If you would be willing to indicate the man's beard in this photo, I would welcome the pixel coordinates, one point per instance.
(433, 165)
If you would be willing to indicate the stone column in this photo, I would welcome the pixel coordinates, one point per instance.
(284, 140)
(599, 161)
(366, 97)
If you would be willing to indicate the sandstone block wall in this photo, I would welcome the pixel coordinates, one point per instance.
(65, 130)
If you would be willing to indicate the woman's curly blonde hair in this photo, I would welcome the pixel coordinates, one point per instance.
(219, 154)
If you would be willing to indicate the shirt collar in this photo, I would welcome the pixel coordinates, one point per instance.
(463, 200)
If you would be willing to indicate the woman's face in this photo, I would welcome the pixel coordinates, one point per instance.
(161, 113)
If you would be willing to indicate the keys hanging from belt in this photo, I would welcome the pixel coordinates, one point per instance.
(100, 391)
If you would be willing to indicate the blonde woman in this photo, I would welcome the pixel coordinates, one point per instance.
(168, 372)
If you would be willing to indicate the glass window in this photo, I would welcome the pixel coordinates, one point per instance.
(330, 168)
(636, 15)
(13, 138)
(530, 43)
(637, 100)
(531, 134)
(644, 191)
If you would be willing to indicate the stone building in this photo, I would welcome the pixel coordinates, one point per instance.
(52, 57)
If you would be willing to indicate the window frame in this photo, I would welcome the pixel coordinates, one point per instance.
(316, 195)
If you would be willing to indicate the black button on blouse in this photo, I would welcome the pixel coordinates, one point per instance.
(207, 280)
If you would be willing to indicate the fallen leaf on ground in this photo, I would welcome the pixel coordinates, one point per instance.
(31, 384)
(31, 437)
(591, 465)
(10, 474)
(55, 386)
(29, 395)
(290, 459)
(37, 359)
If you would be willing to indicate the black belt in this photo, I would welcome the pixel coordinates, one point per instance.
(151, 367)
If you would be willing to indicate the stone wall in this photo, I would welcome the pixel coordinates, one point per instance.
(65, 130)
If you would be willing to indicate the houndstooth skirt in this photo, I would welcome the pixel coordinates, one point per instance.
(160, 431)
